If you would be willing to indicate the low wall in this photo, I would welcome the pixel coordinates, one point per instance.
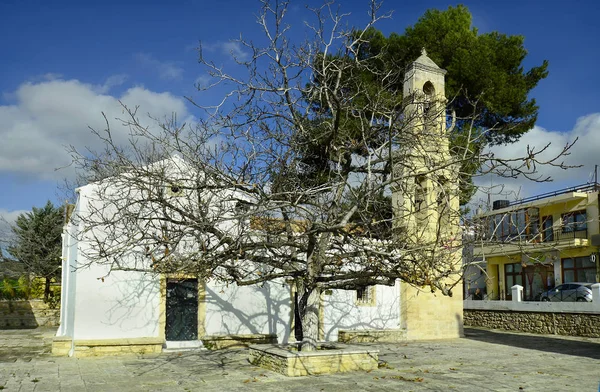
(27, 314)
(573, 319)
(218, 342)
(329, 358)
(61, 345)
(372, 336)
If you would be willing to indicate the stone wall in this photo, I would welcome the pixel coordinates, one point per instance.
(572, 324)
(218, 342)
(372, 336)
(328, 358)
(61, 345)
(27, 314)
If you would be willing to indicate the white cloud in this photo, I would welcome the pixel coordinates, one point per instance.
(10, 216)
(203, 81)
(584, 152)
(7, 218)
(49, 76)
(166, 70)
(230, 48)
(112, 81)
(235, 49)
(47, 116)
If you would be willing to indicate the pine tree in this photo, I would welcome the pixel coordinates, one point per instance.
(37, 242)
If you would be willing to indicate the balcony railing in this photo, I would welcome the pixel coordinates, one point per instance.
(567, 235)
(557, 236)
(585, 188)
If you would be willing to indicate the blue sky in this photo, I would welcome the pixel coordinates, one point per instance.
(62, 63)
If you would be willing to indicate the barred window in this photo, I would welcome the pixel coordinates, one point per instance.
(365, 296)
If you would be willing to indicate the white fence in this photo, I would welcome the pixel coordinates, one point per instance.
(548, 307)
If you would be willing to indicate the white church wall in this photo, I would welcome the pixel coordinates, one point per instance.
(68, 278)
(341, 311)
(71, 283)
(253, 309)
(105, 304)
(122, 305)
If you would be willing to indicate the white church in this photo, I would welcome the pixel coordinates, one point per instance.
(108, 311)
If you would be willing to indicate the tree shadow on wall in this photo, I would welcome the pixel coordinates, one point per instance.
(341, 312)
(545, 343)
(267, 305)
(136, 305)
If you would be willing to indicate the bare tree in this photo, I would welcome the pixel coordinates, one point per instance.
(302, 172)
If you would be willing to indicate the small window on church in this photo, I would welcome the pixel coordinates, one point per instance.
(174, 190)
(428, 89)
(420, 193)
(442, 195)
(365, 296)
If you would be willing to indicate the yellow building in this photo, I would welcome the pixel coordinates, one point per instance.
(539, 242)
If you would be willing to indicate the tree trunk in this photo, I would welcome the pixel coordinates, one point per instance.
(47, 290)
(309, 312)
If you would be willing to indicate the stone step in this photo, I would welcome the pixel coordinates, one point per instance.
(183, 345)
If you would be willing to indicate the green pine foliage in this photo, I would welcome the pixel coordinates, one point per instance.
(486, 85)
(38, 241)
(485, 75)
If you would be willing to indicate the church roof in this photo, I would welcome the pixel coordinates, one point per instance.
(424, 62)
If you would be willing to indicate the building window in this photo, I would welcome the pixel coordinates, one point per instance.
(516, 225)
(547, 230)
(365, 296)
(500, 226)
(578, 269)
(574, 221)
(513, 274)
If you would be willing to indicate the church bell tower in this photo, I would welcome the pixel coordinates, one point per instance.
(426, 204)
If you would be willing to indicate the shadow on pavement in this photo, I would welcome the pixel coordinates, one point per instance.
(25, 344)
(218, 360)
(541, 343)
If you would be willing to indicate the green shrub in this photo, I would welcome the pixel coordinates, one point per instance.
(23, 287)
(36, 288)
(54, 301)
(7, 288)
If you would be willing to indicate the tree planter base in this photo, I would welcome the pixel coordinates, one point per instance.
(328, 358)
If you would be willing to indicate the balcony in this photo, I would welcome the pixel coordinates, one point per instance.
(579, 189)
(560, 235)
(559, 239)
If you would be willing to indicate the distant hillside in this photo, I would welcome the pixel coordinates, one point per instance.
(11, 269)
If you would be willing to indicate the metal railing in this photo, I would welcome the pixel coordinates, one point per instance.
(574, 295)
(594, 187)
(557, 236)
(482, 296)
(561, 234)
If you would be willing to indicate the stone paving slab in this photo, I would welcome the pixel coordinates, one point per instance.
(483, 360)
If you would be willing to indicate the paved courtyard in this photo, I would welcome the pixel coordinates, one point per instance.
(482, 361)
